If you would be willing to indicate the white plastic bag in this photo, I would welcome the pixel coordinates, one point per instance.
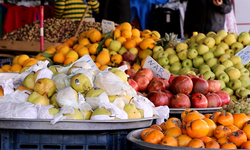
(145, 104)
(8, 86)
(43, 111)
(89, 73)
(120, 102)
(44, 73)
(60, 116)
(16, 97)
(67, 97)
(60, 81)
(162, 113)
(94, 102)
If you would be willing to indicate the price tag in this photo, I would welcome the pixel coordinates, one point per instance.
(107, 26)
(244, 55)
(88, 59)
(157, 69)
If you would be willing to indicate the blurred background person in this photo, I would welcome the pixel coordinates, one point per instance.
(205, 15)
(74, 9)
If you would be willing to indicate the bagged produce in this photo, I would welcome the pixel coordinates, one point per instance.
(144, 104)
(44, 73)
(67, 97)
(7, 86)
(16, 97)
(60, 116)
(43, 111)
(61, 81)
(96, 96)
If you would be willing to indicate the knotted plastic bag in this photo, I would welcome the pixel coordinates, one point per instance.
(162, 112)
(67, 97)
(145, 104)
(43, 111)
(44, 73)
(61, 81)
(8, 86)
(94, 102)
(60, 116)
(16, 97)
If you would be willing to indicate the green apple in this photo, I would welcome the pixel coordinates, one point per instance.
(203, 64)
(226, 55)
(199, 37)
(222, 83)
(204, 69)
(173, 58)
(212, 49)
(235, 59)
(222, 33)
(115, 45)
(197, 61)
(187, 63)
(170, 51)
(218, 72)
(177, 64)
(182, 54)
(244, 32)
(237, 46)
(133, 50)
(121, 74)
(217, 39)
(235, 35)
(233, 98)
(158, 48)
(202, 49)
(208, 75)
(234, 84)
(244, 77)
(193, 45)
(36, 98)
(244, 71)
(181, 46)
(211, 34)
(192, 53)
(237, 91)
(175, 68)
(218, 67)
(219, 51)
(244, 93)
(155, 55)
(230, 52)
(230, 39)
(166, 67)
(211, 62)
(209, 42)
(244, 39)
(192, 39)
(187, 41)
(223, 45)
(208, 55)
(201, 41)
(184, 71)
(191, 73)
(29, 82)
(196, 70)
(122, 50)
(163, 61)
(229, 91)
(227, 63)
(224, 77)
(222, 59)
(237, 51)
(163, 54)
(245, 83)
(228, 69)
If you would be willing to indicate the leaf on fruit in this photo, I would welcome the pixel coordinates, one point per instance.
(99, 48)
(46, 55)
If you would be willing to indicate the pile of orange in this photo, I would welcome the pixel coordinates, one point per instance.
(195, 130)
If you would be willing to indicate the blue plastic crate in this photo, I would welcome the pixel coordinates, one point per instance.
(65, 140)
(6, 61)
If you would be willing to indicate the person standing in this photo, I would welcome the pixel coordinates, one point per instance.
(74, 9)
(203, 16)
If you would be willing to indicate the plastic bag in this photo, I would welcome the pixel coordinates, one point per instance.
(90, 73)
(16, 97)
(43, 111)
(67, 97)
(145, 104)
(94, 102)
(60, 116)
(44, 73)
(8, 86)
(60, 81)
(120, 102)
(25, 110)
(162, 113)
(85, 107)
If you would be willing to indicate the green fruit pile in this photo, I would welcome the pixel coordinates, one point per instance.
(212, 55)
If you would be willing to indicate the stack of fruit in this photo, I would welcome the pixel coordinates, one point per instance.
(183, 91)
(195, 130)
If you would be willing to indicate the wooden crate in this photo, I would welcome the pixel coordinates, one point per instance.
(22, 47)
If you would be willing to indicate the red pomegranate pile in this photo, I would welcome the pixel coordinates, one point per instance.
(183, 91)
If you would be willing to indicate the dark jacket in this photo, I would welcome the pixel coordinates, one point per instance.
(203, 16)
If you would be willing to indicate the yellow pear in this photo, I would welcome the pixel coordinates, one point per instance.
(45, 86)
(36, 98)
(77, 115)
(29, 82)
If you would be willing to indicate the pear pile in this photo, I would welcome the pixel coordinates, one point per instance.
(212, 55)
(82, 88)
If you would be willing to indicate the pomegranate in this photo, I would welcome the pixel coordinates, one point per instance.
(213, 100)
(130, 72)
(125, 63)
(213, 85)
(142, 82)
(158, 98)
(171, 79)
(192, 76)
(167, 85)
(200, 85)
(134, 84)
(146, 72)
(181, 84)
(169, 94)
(180, 101)
(224, 96)
(155, 85)
(198, 100)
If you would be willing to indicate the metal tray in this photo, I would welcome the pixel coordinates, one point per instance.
(135, 137)
(201, 110)
(44, 124)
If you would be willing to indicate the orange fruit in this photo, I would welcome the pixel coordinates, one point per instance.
(107, 42)
(103, 67)
(95, 36)
(51, 48)
(68, 61)
(144, 53)
(89, 32)
(64, 50)
(125, 26)
(129, 44)
(22, 58)
(59, 46)
(83, 34)
(73, 39)
(147, 43)
(135, 32)
(154, 137)
(121, 40)
(14, 61)
(77, 47)
(117, 59)
(98, 65)
(137, 40)
(31, 62)
(116, 33)
(126, 33)
(155, 34)
(6, 68)
(146, 33)
(40, 57)
(59, 57)
(93, 57)
(70, 42)
(84, 41)
(15, 68)
(83, 51)
(142, 62)
(103, 58)
(72, 54)
(28, 60)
